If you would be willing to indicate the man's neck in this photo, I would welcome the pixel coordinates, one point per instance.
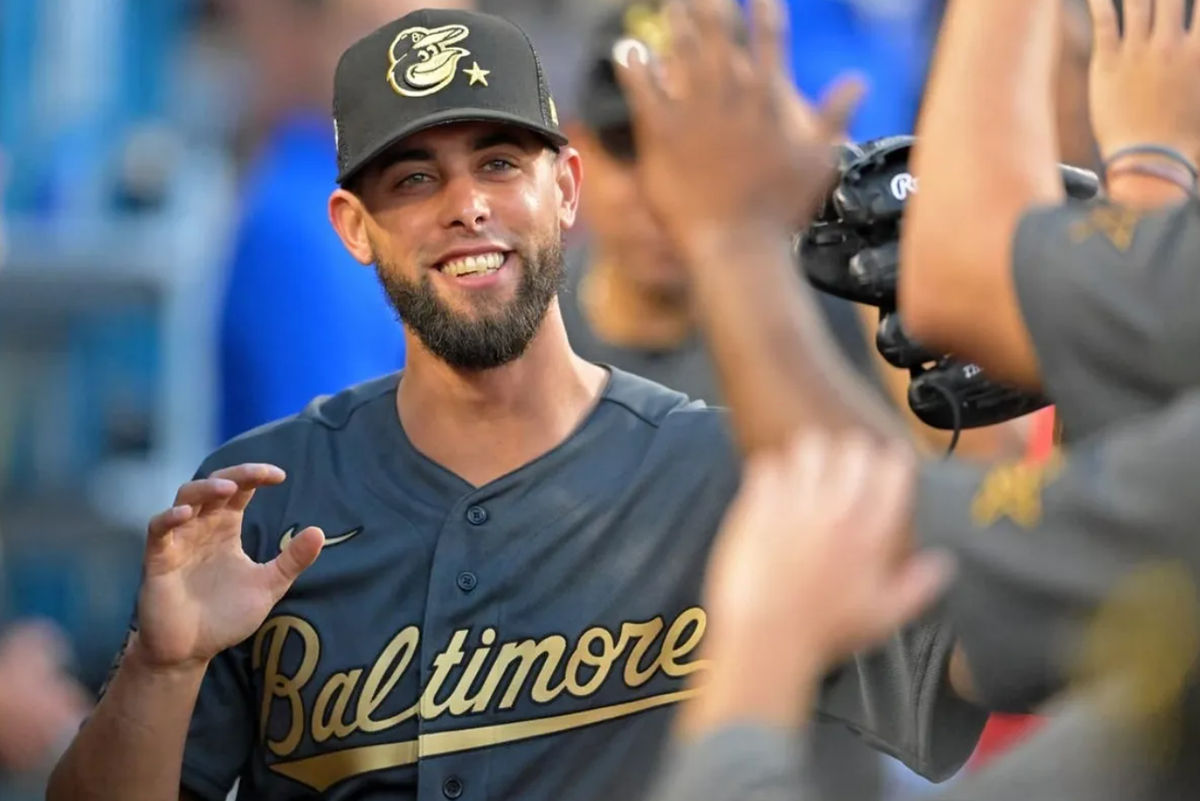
(481, 425)
(624, 314)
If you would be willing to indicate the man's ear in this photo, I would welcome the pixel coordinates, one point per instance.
(569, 179)
(349, 218)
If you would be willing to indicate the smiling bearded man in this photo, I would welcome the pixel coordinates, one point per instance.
(518, 609)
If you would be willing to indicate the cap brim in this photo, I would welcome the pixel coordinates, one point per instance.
(448, 117)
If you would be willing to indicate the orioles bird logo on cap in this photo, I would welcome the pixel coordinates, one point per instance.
(424, 60)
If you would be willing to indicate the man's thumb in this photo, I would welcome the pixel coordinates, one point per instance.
(299, 554)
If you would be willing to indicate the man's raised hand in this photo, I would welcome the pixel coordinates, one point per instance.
(724, 142)
(1145, 77)
(200, 592)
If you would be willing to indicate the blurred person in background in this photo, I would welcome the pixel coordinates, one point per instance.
(320, 321)
(627, 302)
(41, 705)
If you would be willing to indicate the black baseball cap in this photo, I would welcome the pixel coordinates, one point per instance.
(433, 67)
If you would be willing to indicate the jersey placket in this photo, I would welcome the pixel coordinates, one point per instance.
(462, 615)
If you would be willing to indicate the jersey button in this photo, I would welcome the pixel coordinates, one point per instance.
(477, 515)
(467, 581)
(452, 787)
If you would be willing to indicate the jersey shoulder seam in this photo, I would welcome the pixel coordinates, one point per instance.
(685, 407)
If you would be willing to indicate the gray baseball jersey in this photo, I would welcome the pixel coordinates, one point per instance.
(524, 639)
(1083, 753)
(1042, 547)
(1109, 297)
(1086, 567)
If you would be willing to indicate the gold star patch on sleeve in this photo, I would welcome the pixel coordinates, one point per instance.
(1115, 223)
(1014, 491)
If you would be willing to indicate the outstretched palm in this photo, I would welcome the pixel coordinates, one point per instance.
(201, 593)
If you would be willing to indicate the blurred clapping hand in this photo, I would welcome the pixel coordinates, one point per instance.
(814, 562)
(41, 706)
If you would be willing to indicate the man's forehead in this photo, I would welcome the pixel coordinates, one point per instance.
(464, 135)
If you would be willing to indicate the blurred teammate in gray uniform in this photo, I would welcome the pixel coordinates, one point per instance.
(507, 604)
(1130, 728)
(1042, 551)
(626, 300)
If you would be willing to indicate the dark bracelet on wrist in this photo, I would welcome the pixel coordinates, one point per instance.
(1162, 151)
(1178, 177)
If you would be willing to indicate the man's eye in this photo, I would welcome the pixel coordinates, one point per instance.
(500, 165)
(416, 179)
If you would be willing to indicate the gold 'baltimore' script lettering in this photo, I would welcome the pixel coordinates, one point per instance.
(287, 687)
(470, 675)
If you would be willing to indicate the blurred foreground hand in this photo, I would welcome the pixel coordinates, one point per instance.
(814, 562)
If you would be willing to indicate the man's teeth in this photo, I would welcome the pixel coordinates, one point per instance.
(474, 265)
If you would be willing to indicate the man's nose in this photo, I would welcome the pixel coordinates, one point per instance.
(466, 204)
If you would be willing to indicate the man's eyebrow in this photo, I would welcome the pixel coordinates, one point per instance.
(398, 156)
(501, 138)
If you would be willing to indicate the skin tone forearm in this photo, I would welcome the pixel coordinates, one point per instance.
(778, 365)
(987, 153)
(131, 748)
(1143, 192)
(200, 595)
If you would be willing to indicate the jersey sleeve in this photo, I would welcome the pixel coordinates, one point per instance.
(899, 700)
(1108, 297)
(221, 734)
(739, 763)
(1041, 548)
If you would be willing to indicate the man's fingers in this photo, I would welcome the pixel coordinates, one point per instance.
(1138, 17)
(165, 522)
(249, 477)
(768, 37)
(918, 584)
(716, 20)
(1106, 31)
(807, 460)
(891, 494)
(1168, 20)
(642, 92)
(684, 42)
(251, 472)
(849, 474)
(840, 103)
(299, 555)
(205, 491)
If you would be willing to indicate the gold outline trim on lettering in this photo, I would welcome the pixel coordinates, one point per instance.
(325, 770)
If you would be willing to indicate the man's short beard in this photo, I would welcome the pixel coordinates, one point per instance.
(494, 337)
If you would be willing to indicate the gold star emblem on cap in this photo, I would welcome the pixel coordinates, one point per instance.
(478, 75)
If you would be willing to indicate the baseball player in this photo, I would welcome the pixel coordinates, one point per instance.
(511, 539)
(626, 300)
(1090, 304)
